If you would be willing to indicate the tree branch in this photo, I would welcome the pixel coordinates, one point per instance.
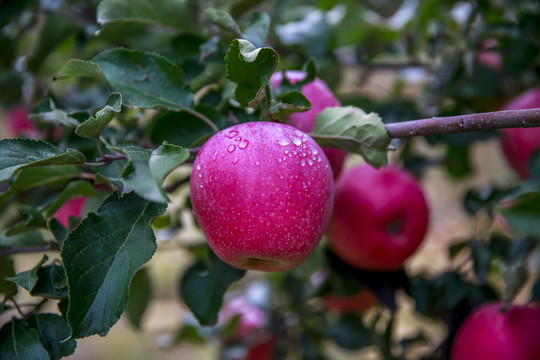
(26, 249)
(465, 123)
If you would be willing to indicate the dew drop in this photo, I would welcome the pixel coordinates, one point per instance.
(199, 166)
(231, 134)
(319, 158)
(280, 175)
(313, 149)
(295, 152)
(238, 138)
(303, 163)
(215, 155)
(243, 144)
(304, 185)
(200, 175)
(279, 160)
(296, 141)
(231, 148)
(257, 163)
(201, 185)
(283, 142)
(310, 162)
(286, 151)
(235, 160)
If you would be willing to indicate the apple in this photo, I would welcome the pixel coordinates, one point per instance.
(491, 333)
(357, 303)
(262, 349)
(489, 56)
(379, 219)
(18, 123)
(262, 193)
(72, 207)
(518, 144)
(252, 319)
(320, 97)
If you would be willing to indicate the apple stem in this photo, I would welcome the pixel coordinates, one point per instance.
(465, 123)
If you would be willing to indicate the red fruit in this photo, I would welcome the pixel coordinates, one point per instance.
(518, 144)
(19, 125)
(262, 193)
(72, 207)
(252, 319)
(262, 350)
(489, 334)
(358, 303)
(320, 97)
(380, 217)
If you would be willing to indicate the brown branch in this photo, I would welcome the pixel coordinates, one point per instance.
(465, 123)
(26, 249)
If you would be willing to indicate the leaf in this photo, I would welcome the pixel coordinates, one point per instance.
(45, 111)
(7, 288)
(93, 127)
(27, 279)
(32, 220)
(223, 19)
(18, 341)
(524, 215)
(30, 238)
(204, 284)
(79, 188)
(350, 128)
(101, 256)
(140, 293)
(178, 14)
(351, 333)
(80, 68)
(250, 68)
(51, 282)
(18, 154)
(289, 103)
(515, 276)
(147, 168)
(53, 331)
(145, 79)
(257, 30)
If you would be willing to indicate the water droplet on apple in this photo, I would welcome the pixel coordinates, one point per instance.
(296, 141)
(318, 158)
(231, 134)
(243, 144)
(313, 149)
(304, 185)
(215, 155)
(231, 148)
(310, 162)
(235, 160)
(283, 142)
(199, 166)
(303, 163)
(257, 163)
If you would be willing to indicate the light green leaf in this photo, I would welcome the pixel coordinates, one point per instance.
(93, 127)
(257, 30)
(178, 14)
(45, 111)
(27, 279)
(18, 154)
(145, 79)
(101, 256)
(30, 238)
(80, 68)
(289, 103)
(250, 68)
(350, 128)
(223, 19)
(147, 168)
(79, 188)
(18, 341)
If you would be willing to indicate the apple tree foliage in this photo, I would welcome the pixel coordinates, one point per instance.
(124, 92)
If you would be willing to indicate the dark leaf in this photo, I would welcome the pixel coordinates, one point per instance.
(351, 333)
(53, 332)
(18, 341)
(140, 293)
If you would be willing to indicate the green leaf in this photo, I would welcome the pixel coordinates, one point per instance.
(53, 331)
(289, 103)
(351, 333)
(145, 79)
(101, 256)
(7, 288)
(515, 276)
(45, 111)
(140, 293)
(204, 284)
(350, 128)
(80, 68)
(32, 219)
(18, 154)
(257, 29)
(18, 341)
(223, 19)
(147, 168)
(524, 215)
(93, 127)
(79, 188)
(250, 68)
(30, 238)
(178, 14)
(27, 279)
(51, 282)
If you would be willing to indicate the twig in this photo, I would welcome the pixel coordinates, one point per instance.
(17, 307)
(465, 123)
(203, 118)
(26, 249)
(171, 188)
(36, 308)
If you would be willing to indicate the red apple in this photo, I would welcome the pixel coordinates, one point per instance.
(72, 207)
(489, 56)
(357, 303)
(19, 125)
(380, 217)
(518, 144)
(252, 319)
(262, 349)
(489, 333)
(320, 97)
(262, 193)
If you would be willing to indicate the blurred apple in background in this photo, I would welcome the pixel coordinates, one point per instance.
(518, 144)
(491, 333)
(357, 303)
(380, 217)
(18, 123)
(320, 96)
(72, 207)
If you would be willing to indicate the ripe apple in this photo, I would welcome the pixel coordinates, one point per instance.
(262, 349)
(252, 319)
(262, 193)
(357, 303)
(379, 219)
(18, 124)
(72, 207)
(491, 333)
(518, 144)
(320, 97)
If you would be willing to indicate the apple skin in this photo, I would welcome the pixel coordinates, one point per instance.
(320, 97)
(380, 217)
(518, 144)
(252, 319)
(262, 193)
(72, 207)
(263, 349)
(343, 304)
(488, 334)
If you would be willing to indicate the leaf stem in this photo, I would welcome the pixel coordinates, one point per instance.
(465, 123)
(203, 118)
